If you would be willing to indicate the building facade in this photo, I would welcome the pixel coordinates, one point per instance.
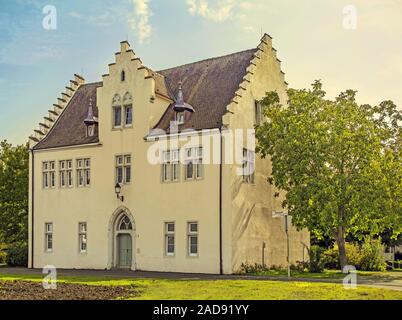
(122, 174)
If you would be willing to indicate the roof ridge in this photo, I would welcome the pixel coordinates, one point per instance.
(208, 59)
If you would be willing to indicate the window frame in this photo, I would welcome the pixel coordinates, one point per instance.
(124, 165)
(84, 169)
(81, 235)
(258, 116)
(115, 108)
(169, 234)
(197, 165)
(248, 166)
(170, 166)
(126, 107)
(191, 235)
(47, 235)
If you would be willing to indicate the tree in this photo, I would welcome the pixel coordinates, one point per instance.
(338, 162)
(13, 192)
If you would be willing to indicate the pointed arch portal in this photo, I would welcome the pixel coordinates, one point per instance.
(122, 239)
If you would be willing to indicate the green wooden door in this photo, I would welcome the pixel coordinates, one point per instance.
(124, 250)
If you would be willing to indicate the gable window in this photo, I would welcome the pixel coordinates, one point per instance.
(257, 113)
(169, 238)
(123, 169)
(248, 166)
(192, 239)
(123, 75)
(193, 164)
(170, 166)
(128, 111)
(117, 117)
(49, 174)
(48, 237)
(82, 237)
(180, 117)
(83, 172)
(65, 173)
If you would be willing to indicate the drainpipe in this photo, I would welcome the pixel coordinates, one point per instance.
(220, 205)
(32, 206)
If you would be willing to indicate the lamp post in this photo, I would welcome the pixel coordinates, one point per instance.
(285, 216)
(117, 190)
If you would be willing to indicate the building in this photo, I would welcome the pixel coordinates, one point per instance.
(97, 201)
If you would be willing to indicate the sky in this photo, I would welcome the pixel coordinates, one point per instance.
(353, 44)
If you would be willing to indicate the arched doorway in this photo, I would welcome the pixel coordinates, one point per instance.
(123, 241)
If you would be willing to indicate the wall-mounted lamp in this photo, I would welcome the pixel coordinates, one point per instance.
(117, 190)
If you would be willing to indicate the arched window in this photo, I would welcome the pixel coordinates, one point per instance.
(124, 223)
(117, 112)
(123, 75)
(128, 109)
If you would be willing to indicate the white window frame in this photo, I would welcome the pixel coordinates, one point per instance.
(83, 170)
(126, 107)
(124, 165)
(49, 174)
(115, 125)
(190, 235)
(169, 234)
(180, 117)
(49, 235)
(194, 158)
(171, 165)
(82, 237)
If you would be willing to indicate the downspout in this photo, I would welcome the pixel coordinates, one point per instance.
(32, 207)
(220, 205)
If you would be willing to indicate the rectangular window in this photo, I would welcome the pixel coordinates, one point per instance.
(180, 117)
(248, 166)
(48, 237)
(257, 113)
(128, 111)
(49, 174)
(82, 236)
(116, 117)
(171, 166)
(65, 173)
(192, 239)
(123, 169)
(83, 172)
(169, 238)
(193, 164)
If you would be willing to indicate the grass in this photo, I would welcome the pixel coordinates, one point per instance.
(229, 289)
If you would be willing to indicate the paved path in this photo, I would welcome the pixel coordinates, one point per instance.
(393, 282)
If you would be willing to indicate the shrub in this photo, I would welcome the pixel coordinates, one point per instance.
(3, 253)
(252, 268)
(373, 258)
(369, 257)
(316, 263)
(17, 254)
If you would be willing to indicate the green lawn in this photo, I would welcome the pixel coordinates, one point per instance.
(229, 289)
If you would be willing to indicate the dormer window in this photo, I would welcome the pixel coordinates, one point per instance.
(180, 117)
(123, 76)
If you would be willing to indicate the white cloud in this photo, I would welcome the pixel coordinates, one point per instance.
(222, 10)
(103, 19)
(140, 21)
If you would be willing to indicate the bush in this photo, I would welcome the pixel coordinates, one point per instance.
(369, 257)
(17, 254)
(3, 253)
(373, 258)
(316, 263)
(252, 268)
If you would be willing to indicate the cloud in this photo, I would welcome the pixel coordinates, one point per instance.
(104, 19)
(219, 12)
(140, 21)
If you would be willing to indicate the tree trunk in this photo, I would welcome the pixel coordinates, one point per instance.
(342, 247)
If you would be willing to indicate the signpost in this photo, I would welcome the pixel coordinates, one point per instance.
(285, 216)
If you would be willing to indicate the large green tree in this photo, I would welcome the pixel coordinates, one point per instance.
(13, 192)
(339, 162)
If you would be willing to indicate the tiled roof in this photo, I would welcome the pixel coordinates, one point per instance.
(69, 129)
(208, 86)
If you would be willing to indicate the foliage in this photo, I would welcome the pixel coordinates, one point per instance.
(17, 254)
(3, 253)
(338, 162)
(315, 263)
(367, 257)
(373, 258)
(248, 268)
(13, 192)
